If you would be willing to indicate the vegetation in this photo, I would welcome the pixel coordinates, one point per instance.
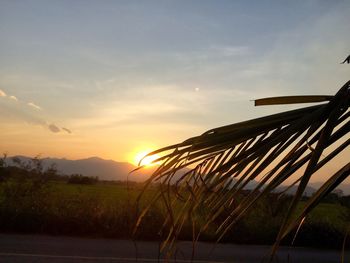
(35, 201)
(273, 150)
(40, 201)
(81, 179)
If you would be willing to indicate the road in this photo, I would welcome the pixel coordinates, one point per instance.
(45, 249)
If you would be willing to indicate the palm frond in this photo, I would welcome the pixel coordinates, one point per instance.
(211, 170)
(292, 100)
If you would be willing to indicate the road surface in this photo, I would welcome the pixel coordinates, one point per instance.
(45, 249)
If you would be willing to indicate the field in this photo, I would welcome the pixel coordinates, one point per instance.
(110, 210)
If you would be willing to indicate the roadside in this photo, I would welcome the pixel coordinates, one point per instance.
(44, 249)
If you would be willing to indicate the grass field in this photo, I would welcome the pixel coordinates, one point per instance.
(109, 210)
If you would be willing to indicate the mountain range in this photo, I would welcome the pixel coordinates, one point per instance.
(93, 166)
(119, 171)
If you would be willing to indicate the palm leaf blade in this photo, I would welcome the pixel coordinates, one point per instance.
(292, 100)
(271, 149)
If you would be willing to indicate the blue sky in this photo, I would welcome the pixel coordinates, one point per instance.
(121, 76)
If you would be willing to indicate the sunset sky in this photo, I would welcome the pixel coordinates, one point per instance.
(113, 78)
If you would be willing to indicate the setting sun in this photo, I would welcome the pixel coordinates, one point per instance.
(147, 161)
(135, 121)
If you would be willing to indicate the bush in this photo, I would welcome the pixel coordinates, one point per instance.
(80, 179)
(30, 202)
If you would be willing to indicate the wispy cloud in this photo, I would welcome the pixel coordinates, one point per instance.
(31, 104)
(230, 51)
(67, 130)
(211, 53)
(13, 98)
(41, 122)
(2, 93)
(18, 111)
(52, 127)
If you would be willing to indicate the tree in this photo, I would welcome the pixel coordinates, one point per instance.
(221, 162)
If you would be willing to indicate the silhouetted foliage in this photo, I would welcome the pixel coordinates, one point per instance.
(285, 148)
(81, 179)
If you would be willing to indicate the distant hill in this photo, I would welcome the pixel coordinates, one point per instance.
(118, 171)
(94, 166)
(309, 191)
(344, 187)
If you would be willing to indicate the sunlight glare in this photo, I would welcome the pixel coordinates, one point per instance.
(148, 161)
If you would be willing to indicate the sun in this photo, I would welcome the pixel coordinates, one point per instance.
(146, 161)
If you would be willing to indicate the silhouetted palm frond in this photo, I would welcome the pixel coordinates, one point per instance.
(211, 170)
(347, 60)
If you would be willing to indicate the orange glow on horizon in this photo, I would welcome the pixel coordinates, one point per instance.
(148, 161)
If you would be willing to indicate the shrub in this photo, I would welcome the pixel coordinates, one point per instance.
(81, 179)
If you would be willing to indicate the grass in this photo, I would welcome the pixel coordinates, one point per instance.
(332, 214)
(58, 208)
(325, 226)
(109, 210)
(104, 192)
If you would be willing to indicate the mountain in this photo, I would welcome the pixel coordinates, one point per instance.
(344, 187)
(118, 171)
(93, 166)
(309, 191)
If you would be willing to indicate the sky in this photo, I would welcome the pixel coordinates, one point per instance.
(113, 78)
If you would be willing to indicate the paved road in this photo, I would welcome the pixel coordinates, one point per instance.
(45, 249)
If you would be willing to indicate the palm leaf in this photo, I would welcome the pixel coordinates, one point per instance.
(271, 150)
(292, 100)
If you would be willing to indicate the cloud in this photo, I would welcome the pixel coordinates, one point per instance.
(13, 98)
(54, 128)
(212, 53)
(3, 94)
(17, 112)
(230, 51)
(31, 104)
(67, 130)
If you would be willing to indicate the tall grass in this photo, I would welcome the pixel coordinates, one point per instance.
(32, 202)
